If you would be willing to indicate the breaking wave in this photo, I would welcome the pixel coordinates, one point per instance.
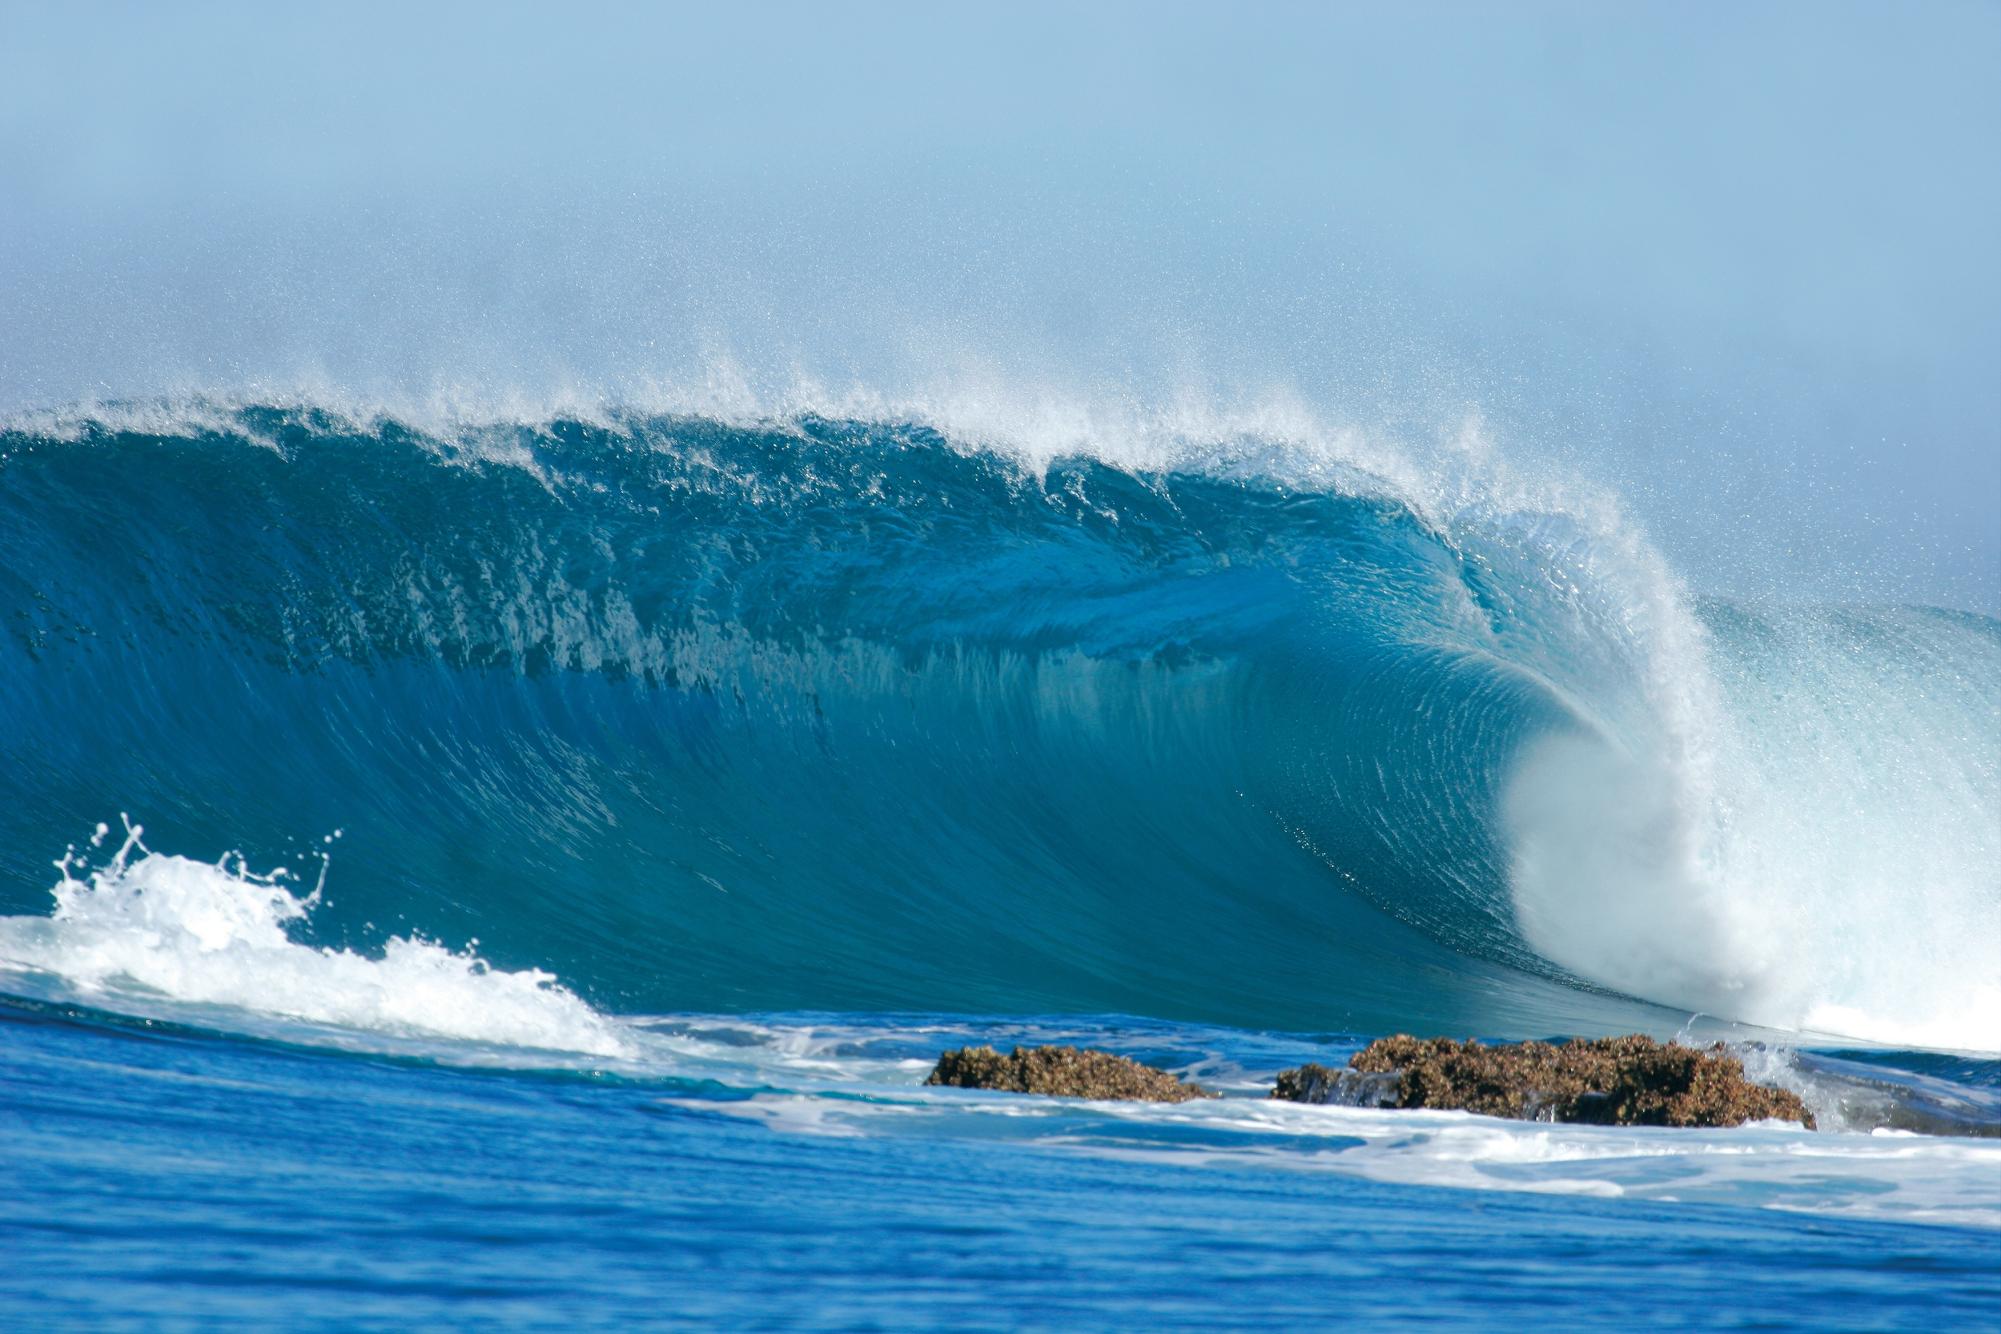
(1233, 721)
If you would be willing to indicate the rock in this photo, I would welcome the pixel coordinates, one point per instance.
(1064, 1072)
(1630, 1081)
(1349, 1088)
(1309, 1083)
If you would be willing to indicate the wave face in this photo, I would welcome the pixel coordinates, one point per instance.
(818, 712)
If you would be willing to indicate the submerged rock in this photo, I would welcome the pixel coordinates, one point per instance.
(1633, 1081)
(1347, 1088)
(1064, 1072)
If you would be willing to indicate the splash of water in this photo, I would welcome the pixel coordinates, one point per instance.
(149, 926)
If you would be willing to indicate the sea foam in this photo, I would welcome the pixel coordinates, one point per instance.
(149, 927)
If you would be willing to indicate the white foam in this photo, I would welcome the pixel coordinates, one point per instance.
(148, 928)
(1837, 869)
(1903, 1177)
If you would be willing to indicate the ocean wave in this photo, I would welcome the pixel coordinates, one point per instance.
(1214, 718)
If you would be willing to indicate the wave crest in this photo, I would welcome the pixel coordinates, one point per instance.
(820, 711)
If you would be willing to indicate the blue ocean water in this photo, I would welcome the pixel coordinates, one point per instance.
(521, 870)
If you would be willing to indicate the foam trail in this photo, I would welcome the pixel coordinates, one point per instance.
(149, 926)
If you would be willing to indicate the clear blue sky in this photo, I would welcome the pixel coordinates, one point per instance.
(1739, 261)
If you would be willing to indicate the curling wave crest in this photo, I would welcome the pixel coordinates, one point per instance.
(1237, 719)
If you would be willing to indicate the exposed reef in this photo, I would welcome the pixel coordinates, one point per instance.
(1632, 1081)
(1064, 1072)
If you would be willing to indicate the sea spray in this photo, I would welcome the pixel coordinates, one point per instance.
(156, 926)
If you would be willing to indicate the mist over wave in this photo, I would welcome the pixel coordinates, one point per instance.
(970, 704)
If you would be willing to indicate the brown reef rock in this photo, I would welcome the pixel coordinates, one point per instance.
(1064, 1072)
(1628, 1081)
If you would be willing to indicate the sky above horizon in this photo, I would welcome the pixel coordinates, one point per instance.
(1738, 264)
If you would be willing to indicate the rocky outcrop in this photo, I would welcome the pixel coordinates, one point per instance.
(1064, 1072)
(1631, 1081)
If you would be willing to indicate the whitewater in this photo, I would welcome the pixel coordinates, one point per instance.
(532, 790)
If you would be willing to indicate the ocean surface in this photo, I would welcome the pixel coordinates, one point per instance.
(519, 870)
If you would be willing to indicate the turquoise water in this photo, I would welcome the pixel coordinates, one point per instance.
(553, 851)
